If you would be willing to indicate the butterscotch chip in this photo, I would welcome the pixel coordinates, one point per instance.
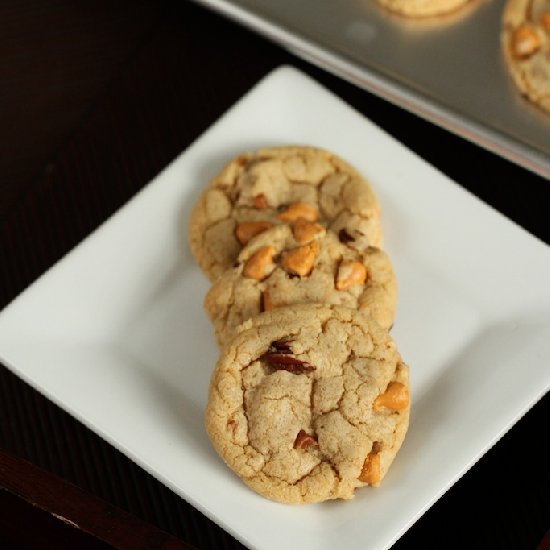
(266, 303)
(234, 298)
(246, 230)
(370, 473)
(299, 261)
(298, 385)
(299, 210)
(525, 40)
(305, 231)
(395, 397)
(350, 273)
(260, 264)
(280, 185)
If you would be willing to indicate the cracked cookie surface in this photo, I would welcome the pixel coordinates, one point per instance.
(304, 264)
(308, 403)
(273, 186)
(525, 40)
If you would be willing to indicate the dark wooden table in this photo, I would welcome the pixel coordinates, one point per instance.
(96, 97)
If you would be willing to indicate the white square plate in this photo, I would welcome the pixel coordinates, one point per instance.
(116, 335)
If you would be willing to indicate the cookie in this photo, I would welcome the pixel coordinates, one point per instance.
(308, 403)
(525, 40)
(302, 263)
(423, 8)
(273, 186)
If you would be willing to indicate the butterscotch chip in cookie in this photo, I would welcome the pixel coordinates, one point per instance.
(324, 270)
(291, 406)
(305, 231)
(299, 261)
(274, 186)
(298, 211)
(525, 41)
(260, 264)
(246, 230)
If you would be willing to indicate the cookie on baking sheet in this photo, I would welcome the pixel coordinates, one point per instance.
(308, 403)
(278, 185)
(302, 263)
(423, 8)
(525, 42)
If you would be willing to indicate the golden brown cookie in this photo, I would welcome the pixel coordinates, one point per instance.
(423, 8)
(302, 263)
(278, 185)
(526, 45)
(308, 403)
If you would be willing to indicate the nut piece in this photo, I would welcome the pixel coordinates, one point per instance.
(260, 201)
(350, 273)
(297, 210)
(545, 21)
(242, 160)
(304, 440)
(370, 473)
(345, 237)
(260, 264)
(305, 231)
(283, 361)
(281, 347)
(396, 397)
(232, 424)
(524, 42)
(246, 230)
(300, 260)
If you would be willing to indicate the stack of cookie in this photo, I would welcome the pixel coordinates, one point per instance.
(310, 398)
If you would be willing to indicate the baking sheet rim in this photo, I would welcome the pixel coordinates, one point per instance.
(387, 89)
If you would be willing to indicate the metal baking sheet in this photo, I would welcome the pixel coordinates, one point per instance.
(448, 70)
